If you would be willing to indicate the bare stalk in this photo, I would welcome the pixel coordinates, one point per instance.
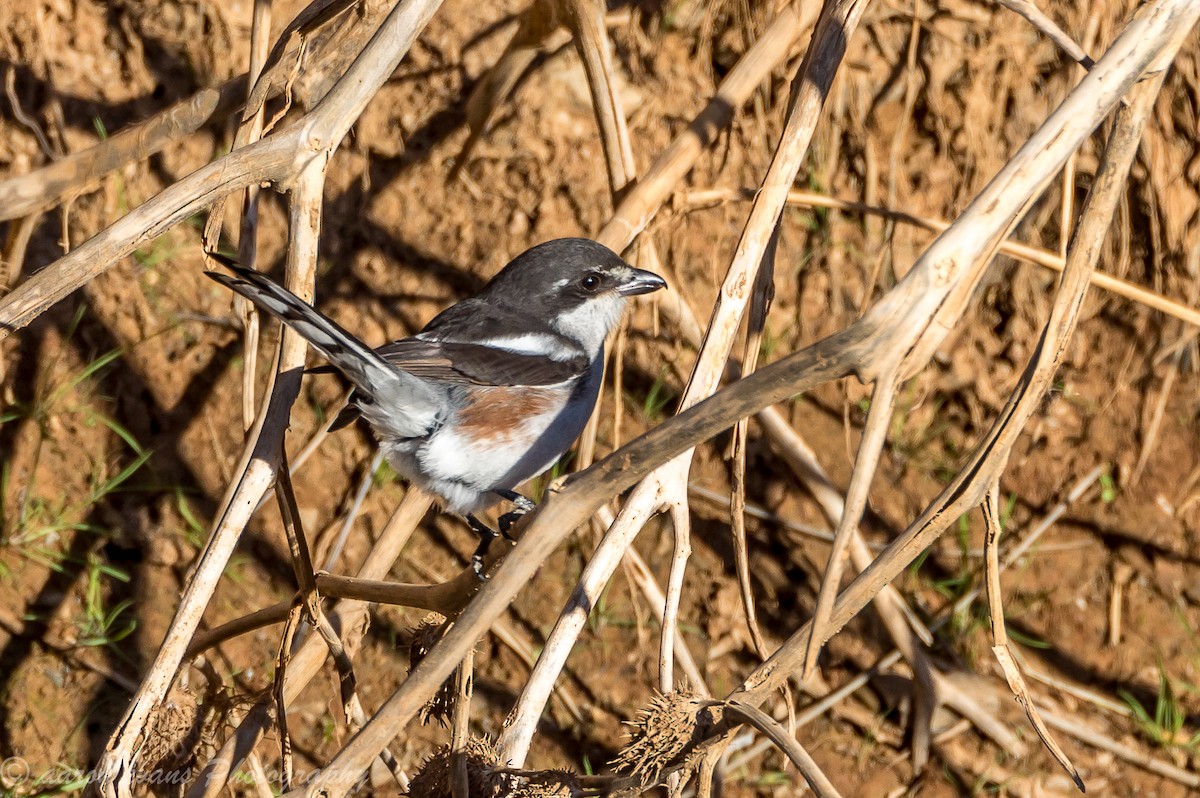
(278, 159)
(41, 188)
(350, 619)
(259, 462)
(1014, 249)
(260, 40)
(668, 486)
(942, 272)
(1155, 34)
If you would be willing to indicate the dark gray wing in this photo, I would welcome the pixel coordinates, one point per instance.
(475, 364)
(466, 364)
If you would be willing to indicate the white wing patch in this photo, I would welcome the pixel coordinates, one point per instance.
(535, 343)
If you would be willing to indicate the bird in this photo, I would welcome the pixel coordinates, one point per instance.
(493, 390)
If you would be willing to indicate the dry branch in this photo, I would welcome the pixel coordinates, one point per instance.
(816, 778)
(667, 487)
(1081, 261)
(249, 131)
(1035, 17)
(312, 142)
(932, 688)
(947, 271)
(277, 159)
(351, 620)
(41, 188)
(643, 200)
(760, 305)
(934, 294)
(258, 467)
(1014, 249)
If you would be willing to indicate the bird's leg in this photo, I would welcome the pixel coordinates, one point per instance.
(523, 504)
(486, 536)
(506, 521)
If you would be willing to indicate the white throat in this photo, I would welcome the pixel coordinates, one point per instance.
(590, 323)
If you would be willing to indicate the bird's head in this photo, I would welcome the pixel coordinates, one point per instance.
(578, 287)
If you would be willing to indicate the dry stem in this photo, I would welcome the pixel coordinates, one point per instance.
(942, 274)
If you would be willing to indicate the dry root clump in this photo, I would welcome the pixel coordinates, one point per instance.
(175, 730)
(435, 777)
(546, 784)
(425, 637)
(665, 733)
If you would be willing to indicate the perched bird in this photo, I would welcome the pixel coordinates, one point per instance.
(495, 388)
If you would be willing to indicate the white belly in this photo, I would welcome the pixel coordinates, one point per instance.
(465, 470)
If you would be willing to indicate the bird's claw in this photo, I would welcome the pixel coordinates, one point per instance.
(486, 536)
(508, 520)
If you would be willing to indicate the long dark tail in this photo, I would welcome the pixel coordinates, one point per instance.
(359, 362)
(402, 405)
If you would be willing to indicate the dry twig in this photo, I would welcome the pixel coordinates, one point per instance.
(914, 317)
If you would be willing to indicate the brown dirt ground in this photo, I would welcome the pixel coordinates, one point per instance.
(144, 359)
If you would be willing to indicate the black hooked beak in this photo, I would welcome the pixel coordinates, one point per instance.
(640, 282)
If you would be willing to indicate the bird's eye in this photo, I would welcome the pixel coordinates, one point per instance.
(591, 282)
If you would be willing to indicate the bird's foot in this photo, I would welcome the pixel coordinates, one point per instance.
(486, 536)
(506, 521)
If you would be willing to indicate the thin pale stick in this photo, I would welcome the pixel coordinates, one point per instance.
(360, 496)
(306, 583)
(1012, 673)
(642, 201)
(1157, 26)
(278, 159)
(643, 577)
(1166, 33)
(44, 187)
(763, 514)
(281, 715)
(1015, 553)
(1025, 252)
(874, 434)
(899, 620)
(460, 727)
(741, 712)
(261, 783)
(1034, 16)
(260, 40)
(351, 618)
(535, 34)
(586, 20)
(1075, 690)
(681, 549)
(509, 636)
(1160, 406)
(514, 740)
(760, 306)
(268, 616)
(1090, 736)
(1121, 574)
(445, 598)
